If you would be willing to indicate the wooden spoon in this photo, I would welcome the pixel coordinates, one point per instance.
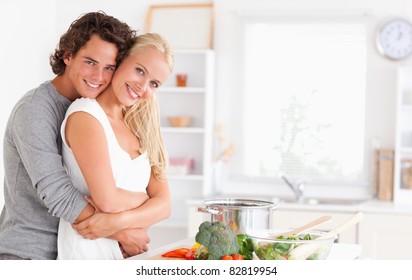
(302, 252)
(306, 227)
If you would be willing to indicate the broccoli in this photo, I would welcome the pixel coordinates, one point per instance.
(218, 238)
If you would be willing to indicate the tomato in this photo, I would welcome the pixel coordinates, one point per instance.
(226, 257)
(238, 257)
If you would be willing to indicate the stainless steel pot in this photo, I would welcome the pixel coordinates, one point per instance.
(242, 215)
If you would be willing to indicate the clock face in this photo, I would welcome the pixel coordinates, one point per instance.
(394, 40)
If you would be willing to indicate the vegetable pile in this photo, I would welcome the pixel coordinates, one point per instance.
(216, 241)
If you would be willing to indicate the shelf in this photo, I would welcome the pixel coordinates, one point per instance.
(188, 130)
(407, 107)
(189, 177)
(406, 150)
(403, 148)
(192, 51)
(182, 90)
(195, 100)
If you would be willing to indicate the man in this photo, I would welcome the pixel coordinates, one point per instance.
(37, 189)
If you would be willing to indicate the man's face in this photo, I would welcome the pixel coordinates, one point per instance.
(90, 71)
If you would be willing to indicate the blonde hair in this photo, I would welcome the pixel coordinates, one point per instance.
(143, 119)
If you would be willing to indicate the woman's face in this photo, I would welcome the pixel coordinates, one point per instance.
(139, 75)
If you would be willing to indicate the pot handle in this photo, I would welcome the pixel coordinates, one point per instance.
(209, 210)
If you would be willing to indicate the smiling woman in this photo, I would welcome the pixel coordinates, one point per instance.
(304, 85)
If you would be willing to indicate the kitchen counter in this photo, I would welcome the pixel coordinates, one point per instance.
(383, 223)
(338, 251)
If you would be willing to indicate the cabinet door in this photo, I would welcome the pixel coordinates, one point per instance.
(386, 237)
(293, 219)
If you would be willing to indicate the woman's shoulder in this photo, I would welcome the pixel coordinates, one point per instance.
(84, 105)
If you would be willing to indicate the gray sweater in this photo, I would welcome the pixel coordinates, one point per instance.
(37, 189)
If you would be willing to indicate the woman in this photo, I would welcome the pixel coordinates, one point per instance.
(114, 152)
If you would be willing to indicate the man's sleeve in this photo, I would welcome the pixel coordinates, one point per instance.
(36, 130)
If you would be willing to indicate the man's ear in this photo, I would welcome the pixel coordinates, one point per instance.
(67, 57)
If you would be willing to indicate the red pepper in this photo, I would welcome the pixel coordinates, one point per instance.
(177, 253)
(190, 255)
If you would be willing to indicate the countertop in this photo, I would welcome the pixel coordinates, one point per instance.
(338, 251)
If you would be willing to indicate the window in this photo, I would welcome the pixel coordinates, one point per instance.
(304, 100)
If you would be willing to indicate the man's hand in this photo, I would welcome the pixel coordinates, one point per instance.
(132, 241)
(97, 226)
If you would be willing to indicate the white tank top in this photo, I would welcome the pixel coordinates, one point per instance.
(130, 174)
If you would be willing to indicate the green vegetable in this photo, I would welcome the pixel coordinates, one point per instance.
(279, 250)
(201, 253)
(245, 246)
(218, 238)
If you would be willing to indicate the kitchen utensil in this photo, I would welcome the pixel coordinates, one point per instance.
(242, 215)
(306, 227)
(304, 251)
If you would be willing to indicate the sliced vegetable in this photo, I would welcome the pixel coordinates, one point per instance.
(177, 253)
(190, 255)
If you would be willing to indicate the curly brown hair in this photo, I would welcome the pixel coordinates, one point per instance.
(81, 30)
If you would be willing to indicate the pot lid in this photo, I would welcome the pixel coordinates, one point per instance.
(236, 203)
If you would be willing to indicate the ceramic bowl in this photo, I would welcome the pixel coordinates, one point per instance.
(180, 121)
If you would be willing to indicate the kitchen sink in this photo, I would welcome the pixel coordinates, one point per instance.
(320, 201)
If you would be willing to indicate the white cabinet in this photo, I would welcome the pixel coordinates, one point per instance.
(403, 143)
(193, 142)
(386, 236)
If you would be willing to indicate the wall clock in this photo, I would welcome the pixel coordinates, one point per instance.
(394, 39)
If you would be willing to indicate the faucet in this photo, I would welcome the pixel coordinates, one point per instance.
(298, 187)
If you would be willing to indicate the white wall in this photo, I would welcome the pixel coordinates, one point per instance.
(27, 39)
(31, 29)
